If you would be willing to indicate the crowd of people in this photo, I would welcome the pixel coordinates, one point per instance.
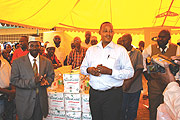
(115, 74)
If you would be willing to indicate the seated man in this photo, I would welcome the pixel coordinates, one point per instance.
(72, 47)
(50, 55)
(77, 54)
(171, 94)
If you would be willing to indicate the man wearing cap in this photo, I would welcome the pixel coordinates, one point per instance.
(77, 54)
(60, 50)
(31, 75)
(23, 50)
(51, 56)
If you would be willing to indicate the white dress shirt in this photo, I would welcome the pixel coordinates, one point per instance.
(171, 103)
(5, 73)
(31, 58)
(112, 56)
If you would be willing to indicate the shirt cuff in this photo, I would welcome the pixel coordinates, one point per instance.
(115, 74)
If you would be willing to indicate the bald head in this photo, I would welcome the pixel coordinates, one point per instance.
(125, 41)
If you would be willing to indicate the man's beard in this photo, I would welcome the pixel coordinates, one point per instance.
(34, 53)
(57, 44)
(87, 40)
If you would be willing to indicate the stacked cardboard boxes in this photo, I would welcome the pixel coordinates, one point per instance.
(73, 102)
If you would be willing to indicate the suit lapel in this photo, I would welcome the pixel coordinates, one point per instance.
(28, 65)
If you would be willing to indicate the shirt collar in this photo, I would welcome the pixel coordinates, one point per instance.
(31, 57)
(110, 45)
(167, 45)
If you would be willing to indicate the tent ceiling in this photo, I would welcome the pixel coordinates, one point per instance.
(89, 14)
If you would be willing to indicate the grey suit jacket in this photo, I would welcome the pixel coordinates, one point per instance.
(22, 77)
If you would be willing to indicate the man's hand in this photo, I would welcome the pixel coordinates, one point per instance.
(11, 95)
(127, 84)
(44, 81)
(93, 71)
(104, 70)
(38, 79)
(167, 77)
(177, 59)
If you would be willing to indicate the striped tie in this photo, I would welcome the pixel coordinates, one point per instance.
(35, 70)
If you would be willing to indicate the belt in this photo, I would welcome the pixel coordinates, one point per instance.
(113, 88)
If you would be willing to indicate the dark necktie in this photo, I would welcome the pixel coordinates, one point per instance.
(35, 70)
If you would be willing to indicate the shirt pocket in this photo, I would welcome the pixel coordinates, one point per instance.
(110, 62)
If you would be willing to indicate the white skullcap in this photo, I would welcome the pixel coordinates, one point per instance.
(50, 45)
(34, 38)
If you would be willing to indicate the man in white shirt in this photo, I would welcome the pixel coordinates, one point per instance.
(60, 51)
(5, 72)
(108, 64)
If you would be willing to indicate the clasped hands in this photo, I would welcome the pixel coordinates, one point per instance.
(100, 69)
(41, 79)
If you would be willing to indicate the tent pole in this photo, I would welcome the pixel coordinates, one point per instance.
(37, 31)
(167, 13)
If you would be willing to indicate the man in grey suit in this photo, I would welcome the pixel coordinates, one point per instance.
(31, 75)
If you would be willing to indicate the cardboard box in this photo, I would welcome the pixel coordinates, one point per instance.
(85, 103)
(73, 115)
(72, 102)
(71, 83)
(56, 100)
(86, 116)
